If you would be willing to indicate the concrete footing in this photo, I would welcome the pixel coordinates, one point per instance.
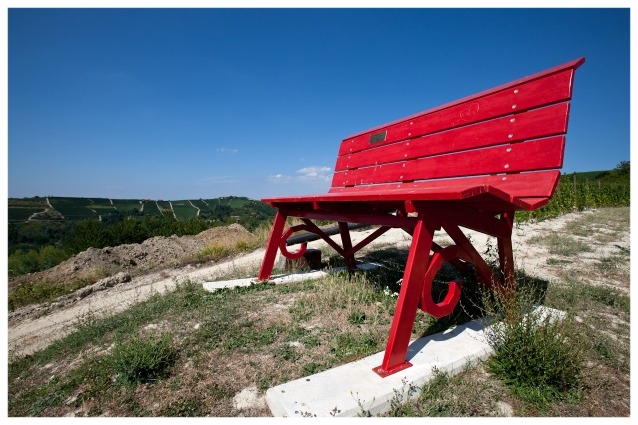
(353, 389)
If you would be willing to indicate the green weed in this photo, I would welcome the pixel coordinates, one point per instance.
(350, 346)
(537, 357)
(143, 360)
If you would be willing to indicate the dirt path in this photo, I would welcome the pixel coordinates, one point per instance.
(31, 332)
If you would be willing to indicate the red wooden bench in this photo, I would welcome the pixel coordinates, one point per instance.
(470, 163)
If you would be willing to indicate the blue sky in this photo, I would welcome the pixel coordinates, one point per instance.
(199, 103)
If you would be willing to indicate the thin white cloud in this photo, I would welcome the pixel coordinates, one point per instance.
(226, 150)
(314, 174)
(279, 179)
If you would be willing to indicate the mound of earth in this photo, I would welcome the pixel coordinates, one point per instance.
(152, 254)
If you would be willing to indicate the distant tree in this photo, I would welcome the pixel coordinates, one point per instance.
(50, 256)
(87, 234)
(21, 262)
(622, 168)
(129, 230)
(620, 174)
(222, 211)
(36, 233)
(602, 175)
(192, 226)
(13, 233)
(160, 225)
(112, 218)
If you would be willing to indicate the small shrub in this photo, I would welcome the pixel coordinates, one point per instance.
(211, 252)
(144, 360)
(244, 246)
(537, 357)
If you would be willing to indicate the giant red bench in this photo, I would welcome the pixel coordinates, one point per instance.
(470, 163)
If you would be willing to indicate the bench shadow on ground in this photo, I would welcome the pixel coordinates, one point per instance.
(472, 303)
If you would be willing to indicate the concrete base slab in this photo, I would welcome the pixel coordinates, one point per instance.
(282, 278)
(354, 389)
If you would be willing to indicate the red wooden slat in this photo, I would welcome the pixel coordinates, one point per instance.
(451, 193)
(530, 185)
(533, 94)
(570, 66)
(527, 191)
(522, 185)
(537, 123)
(531, 204)
(542, 154)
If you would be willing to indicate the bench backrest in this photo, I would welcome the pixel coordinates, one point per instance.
(516, 128)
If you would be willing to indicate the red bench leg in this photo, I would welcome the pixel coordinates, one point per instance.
(505, 254)
(346, 243)
(272, 247)
(409, 297)
(506, 260)
(487, 276)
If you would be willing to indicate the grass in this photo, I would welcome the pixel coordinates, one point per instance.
(189, 351)
(39, 291)
(562, 245)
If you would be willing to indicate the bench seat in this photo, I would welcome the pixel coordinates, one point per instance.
(523, 191)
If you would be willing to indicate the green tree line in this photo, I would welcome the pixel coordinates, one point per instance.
(37, 246)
